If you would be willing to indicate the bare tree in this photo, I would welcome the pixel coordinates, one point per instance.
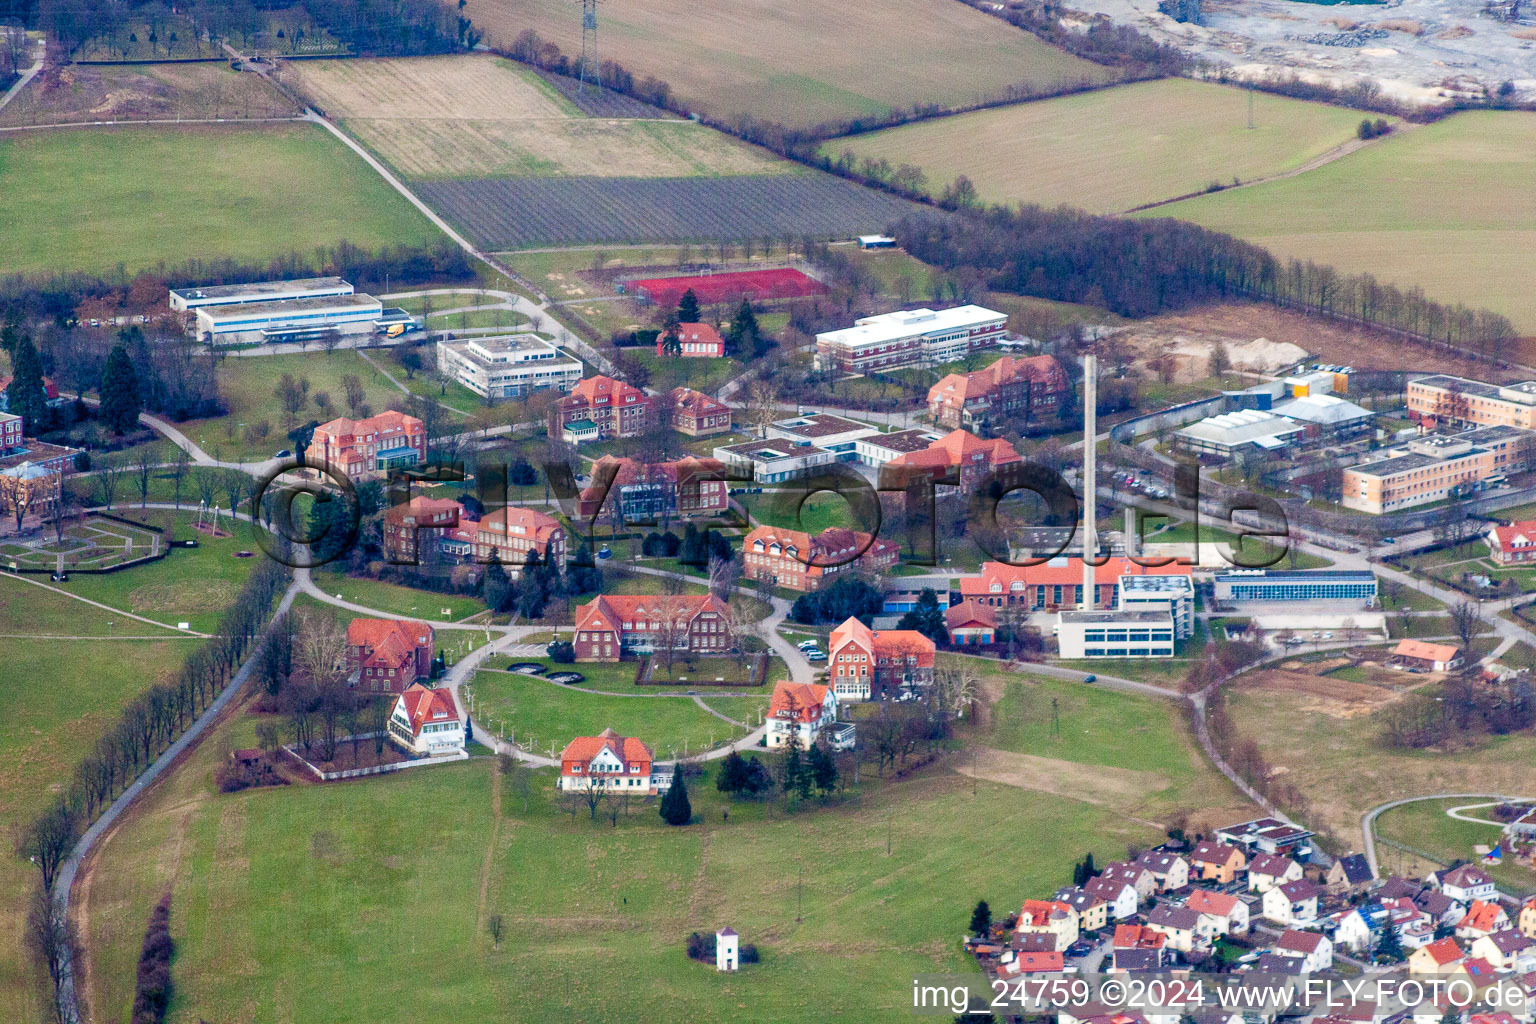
(954, 689)
(1467, 621)
(52, 938)
(47, 841)
(206, 479)
(144, 465)
(723, 575)
(762, 406)
(319, 646)
(109, 474)
(355, 395)
(179, 467)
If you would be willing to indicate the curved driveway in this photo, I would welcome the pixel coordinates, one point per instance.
(1368, 819)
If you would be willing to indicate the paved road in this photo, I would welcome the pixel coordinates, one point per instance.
(66, 879)
(1368, 819)
(27, 75)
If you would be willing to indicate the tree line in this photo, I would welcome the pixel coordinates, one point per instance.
(1139, 268)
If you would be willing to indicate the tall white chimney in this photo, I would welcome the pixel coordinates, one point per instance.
(1090, 477)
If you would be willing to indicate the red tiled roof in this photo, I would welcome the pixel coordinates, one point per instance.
(1425, 651)
(1065, 572)
(625, 748)
(388, 643)
(1299, 941)
(833, 547)
(957, 388)
(959, 448)
(424, 706)
(1217, 904)
(1445, 951)
(1134, 936)
(1481, 916)
(1517, 536)
(883, 643)
(696, 402)
(970, 612)
(606, 391)
(611, 611)
(422, 507)
(801, 702)
(700, 333)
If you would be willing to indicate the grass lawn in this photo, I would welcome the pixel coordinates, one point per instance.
(605, 676)
(393, 599)
(668, 372)
(191, 585)
(817, 512)
(548, 715)
(1427, 827)
(1410, 600)
(1185, 135)
(1165, 672)
(1444, 203)
(142, 196)
(307, 900)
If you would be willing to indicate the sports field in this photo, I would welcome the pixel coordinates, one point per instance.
(810, 62)
(137, 197)
(368, 901)
(1114, 149)
(481, 116)
(1447, 206)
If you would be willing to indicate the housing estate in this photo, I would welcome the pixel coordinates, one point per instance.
(910, 337)
(613, 625)
(368, 448)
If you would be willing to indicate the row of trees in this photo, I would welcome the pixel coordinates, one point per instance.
(1138, 268)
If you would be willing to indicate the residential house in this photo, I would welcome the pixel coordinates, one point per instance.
(800, 561)
(1134, 874)
(1348, 874)
(368, 448)
(1507, 950)
(388, 655)
(612, 625)
(1463, 884)
(512, 534)
(1439, 957)
(602, 409)
(1139, 961)
(1092, 910)
(608, 761)
(1032, 388)
(1442, 910)
(1351, 930)
(1049, 917)
(869, 664)
(1212, 861)
(801, 713)
(1268, 835)
(1414, 928)
(630, 492)
(1483, 917)
(413, 532)
(1514, 544)
(1528, 918)
(1119, 895)
(1421, 655)
(1016, 963)
(971, 623)
(1137, 936)
(694, 341)
(1313, 949)
(1267, 870)
(1170, 869)
(1220, 913)
(1292, 903)
(1478, 973)
(427, 722)
(696, 414)
(1179, 925)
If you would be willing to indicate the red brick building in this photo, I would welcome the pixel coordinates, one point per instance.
(637, 492)
(1514, 544)
(510, 533)
(369, 447)
(1055, 584)
(1034, 387)
(973, 457)
(414, 531)
(615, 409)
(696, 414)
(799, 561)
(388, 655)
(696, 341)
(868, 664)
(612, 625)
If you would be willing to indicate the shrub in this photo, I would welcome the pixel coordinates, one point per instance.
(152, 990)
(562, 652)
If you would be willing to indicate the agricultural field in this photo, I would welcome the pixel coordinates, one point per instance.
(481, 116)
(1443, 206)
(514, 213)
(320, 893)
(794, 64)
(140, 197)
(1113, 149)
(81, 92)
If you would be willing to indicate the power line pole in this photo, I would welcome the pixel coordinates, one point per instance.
(590, 78)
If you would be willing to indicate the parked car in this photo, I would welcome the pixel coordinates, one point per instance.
(815, 656)
(808, 645)
(284, 454)
(1090, 678)
(1079, 949)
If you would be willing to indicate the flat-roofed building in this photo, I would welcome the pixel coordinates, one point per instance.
(878, 449)
(774, 459)
(184, 299)
(1224, 435)
(835, 434)
(1172, 594)
(1459, 401)
(1353, 587)
(1115, 634)
(1430, 469)
(910, 337)
(1327, 417)
(508, 366)
(288, 320)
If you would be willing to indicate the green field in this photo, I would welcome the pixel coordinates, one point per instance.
(1113, 149)
(819, 511)
(552, 715)
(1447, 206)
(1427, 827)
(138, 197)
(368, 900)
(798, 64)
(393, 599)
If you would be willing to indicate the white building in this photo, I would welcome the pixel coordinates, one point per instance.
(878, 449)
(910, 337)
(824, 430)
(1172, 594)
(427, 721)
(727, 950)
(184, 299)
(1115, 634)
(1224, 435)
(774, 459)
(508, 366)
(287, 320)
(799, 713)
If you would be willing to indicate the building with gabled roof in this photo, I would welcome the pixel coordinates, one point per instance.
(414, 530)
(1293, 903)
(1432, 657)
(799, 561)
(612, 625)
(1463, 884)
(1215, 861)
(607, 761)
(1438, 957)
(512, 534)
(1120, 895)
(1267, 870)
(388, 655)
(971, 623)
(612, 408)
(368, 448)
(1180, 925)
(1506, 949)
(427, 721)
(1513, 543)
(1057, 583)
(695, 414)
(868, 664)
(694, 341)
(1049, 917)
(628, 491)
(1313, 949)
(959, 457)
(1228, 915)
(799, 713)
(1169, 868)
(1482, 918)
(1032, 388)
